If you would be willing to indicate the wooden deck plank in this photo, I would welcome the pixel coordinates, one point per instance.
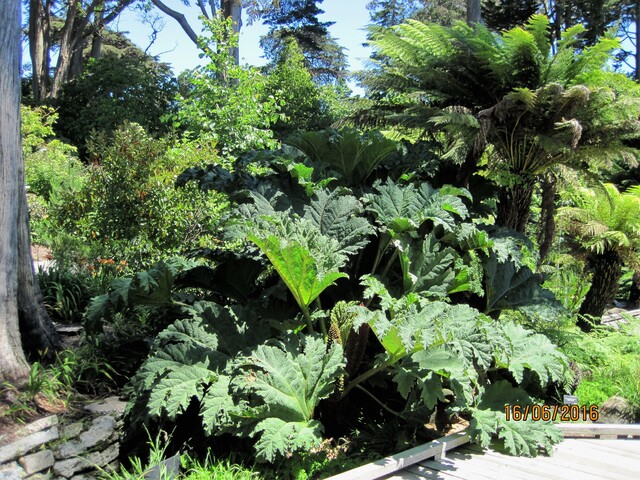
(573, 451)
(575, 458)
(582, 459)
(458, 469)
(569, 429)
(532, 467)
(627, 447)
(497, 468)
(623, 462)
(389, 465)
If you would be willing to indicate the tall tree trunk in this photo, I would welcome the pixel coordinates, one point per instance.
(233, 9)
(514, 206)
(18, 286)
(637, 45)
(607, 270)
(39, 45)
(547, 227)
(96, 37)
(65, 53)
(474, 13)
(13, 364)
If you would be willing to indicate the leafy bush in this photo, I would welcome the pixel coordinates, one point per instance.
(341, 295)
(608, 359)
(225, 102)
(304, 105)
(114, 89)
(51, 168)
(129, 209)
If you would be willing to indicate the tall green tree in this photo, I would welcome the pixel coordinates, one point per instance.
(114, 89)
(67, 28)
(387, 13)
(605, 226)
(298, 20)
(305, 104)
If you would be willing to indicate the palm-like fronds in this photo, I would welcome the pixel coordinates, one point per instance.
(603, 219)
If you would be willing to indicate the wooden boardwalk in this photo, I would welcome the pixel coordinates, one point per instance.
(573, 459)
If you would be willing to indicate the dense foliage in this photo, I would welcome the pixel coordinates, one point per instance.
(342, 294)
(114, 89)
(268, 283)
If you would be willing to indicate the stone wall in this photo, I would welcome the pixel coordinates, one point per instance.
(57, 448)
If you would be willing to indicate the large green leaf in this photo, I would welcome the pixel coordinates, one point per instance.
(399, 209)
(507, 286)
(291, 378)
(519, 438)
(307, 261)
(281, 438)
(337, 216)
(351, 155)
(532, 351)
(427, 268)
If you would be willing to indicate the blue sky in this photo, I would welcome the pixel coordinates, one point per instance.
(175, 48)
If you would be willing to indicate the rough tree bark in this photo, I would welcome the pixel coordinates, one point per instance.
(39, 46)
(514, 206)
(19, 292)
(474, 13)
(547, 227)
(607, 270)
(82, 20)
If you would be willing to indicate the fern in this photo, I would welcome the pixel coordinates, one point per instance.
(152, 288)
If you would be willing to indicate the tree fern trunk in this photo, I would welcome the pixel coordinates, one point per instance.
(634, 293)
(607, 270)
(547, 228)
(514, 206)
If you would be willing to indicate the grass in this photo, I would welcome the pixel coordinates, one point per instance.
(610, 362)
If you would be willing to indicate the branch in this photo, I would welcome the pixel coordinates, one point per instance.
(178, 17)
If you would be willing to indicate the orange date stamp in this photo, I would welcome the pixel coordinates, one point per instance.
(553, 413)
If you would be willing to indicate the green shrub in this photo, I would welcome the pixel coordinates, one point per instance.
(129, 209)
(339, 295)
(114, 89)
(51, 168)
(223, 101)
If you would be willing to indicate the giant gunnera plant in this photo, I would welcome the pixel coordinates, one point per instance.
(334, 297)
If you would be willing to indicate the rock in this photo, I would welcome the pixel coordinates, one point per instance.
(11, 471)
(26, 444)
(101, 429)
(71, 431)
(105, 457)
(616, 410)
(69, 329)
(108, 405)
(36, 462)
(68, 467)
(83, 476)
(40, 425)
(69, 449)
